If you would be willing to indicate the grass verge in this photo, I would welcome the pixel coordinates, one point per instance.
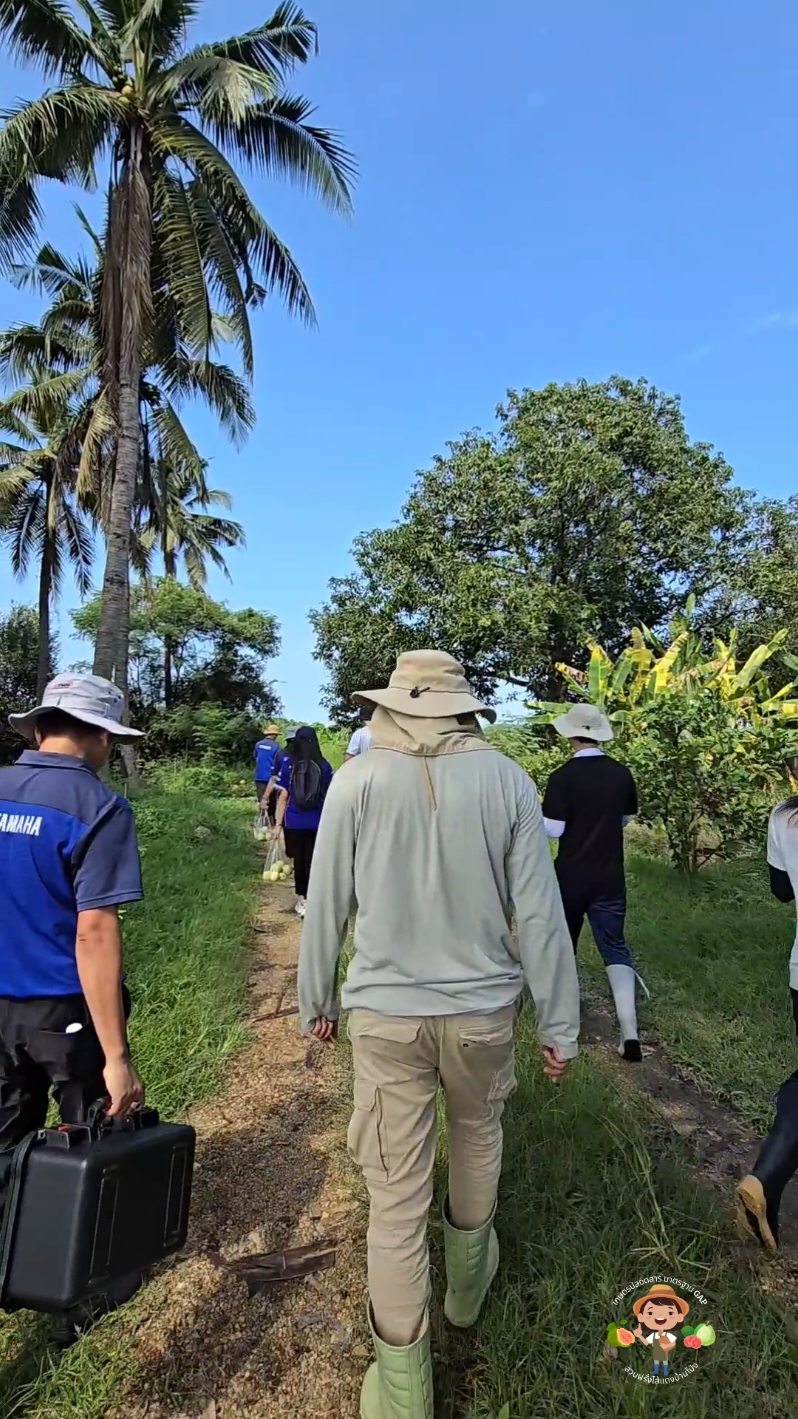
(596, 1195)
(714, 953)
(185, 950)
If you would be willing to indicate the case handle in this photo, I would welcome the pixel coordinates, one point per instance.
(99, 1122)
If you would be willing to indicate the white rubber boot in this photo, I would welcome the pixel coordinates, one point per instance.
(622, 981)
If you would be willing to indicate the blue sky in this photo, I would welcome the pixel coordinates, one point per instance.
(566, 190)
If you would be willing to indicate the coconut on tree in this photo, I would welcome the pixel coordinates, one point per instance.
(176, 120)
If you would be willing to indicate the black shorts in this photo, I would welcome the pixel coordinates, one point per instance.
(39, 1054)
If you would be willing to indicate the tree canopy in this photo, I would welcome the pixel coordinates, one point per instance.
(211, 645)
(588, 511)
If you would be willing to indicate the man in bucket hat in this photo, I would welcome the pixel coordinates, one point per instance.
(440, 839)
(268, 759)
(68, 860)
(587, 804)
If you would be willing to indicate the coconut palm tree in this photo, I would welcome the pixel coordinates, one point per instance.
(175, 517)
(63, 352)
(40, 517)
(174, 121)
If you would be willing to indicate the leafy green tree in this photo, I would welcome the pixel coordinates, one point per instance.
(588, 511)
(218, 654)
(705, 775)
(182, 229)
(759, 597)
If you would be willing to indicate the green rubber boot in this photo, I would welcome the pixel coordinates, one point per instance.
(472, 1260)
(399, 1384)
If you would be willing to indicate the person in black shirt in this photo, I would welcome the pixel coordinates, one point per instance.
(587, 803)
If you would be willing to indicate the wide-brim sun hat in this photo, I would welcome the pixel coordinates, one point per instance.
(272, 729)
(427, 684)
(87, 698)
(584, 722)
(664, 1294)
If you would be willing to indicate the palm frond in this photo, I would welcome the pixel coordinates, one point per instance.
(176, 445)
(96, 452)
(62, 134)
(157, 27)
(181, 254)
(77, 539)
(20, 215)
(277, 140)
(221, 389)
(266, 54)
(24, 527)
(45, 34)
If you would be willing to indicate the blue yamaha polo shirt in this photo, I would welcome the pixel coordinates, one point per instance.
(67, 844)
(267, 756)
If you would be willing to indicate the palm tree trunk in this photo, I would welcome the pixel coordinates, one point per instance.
(45, 592)
(170, 570)
(126, 305)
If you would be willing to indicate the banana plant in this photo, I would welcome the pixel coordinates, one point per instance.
(649, 667)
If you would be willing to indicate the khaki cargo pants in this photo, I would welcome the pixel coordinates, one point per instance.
(399, 1065)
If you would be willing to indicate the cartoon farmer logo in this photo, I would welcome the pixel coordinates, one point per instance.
(659, 1315)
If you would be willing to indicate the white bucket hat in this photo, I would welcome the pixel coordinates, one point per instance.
(88, 698)
(584, 722)
(427, 684)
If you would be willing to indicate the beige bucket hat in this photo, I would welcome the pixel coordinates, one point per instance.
(427, 684)
(584, 722)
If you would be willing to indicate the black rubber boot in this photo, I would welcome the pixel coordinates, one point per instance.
(759, 1195)
(68, 1328)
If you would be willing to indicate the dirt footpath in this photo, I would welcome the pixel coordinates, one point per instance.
(271, 1174)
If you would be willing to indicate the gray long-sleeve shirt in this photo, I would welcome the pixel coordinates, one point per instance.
(439, 866)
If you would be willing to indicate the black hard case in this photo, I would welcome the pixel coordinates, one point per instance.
(95, 1203)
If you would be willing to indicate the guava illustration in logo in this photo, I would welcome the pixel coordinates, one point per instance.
(657, 1324)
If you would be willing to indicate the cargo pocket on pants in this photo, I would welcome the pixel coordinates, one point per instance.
(494, 1038)
(503, 1083)
(364, 1139)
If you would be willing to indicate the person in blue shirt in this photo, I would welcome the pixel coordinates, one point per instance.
(303, 784)
(267, 760)
(68, 860)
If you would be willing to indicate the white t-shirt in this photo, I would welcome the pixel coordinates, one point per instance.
(360, 743)
(783, 855)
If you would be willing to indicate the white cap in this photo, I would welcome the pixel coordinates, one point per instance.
(584, 722)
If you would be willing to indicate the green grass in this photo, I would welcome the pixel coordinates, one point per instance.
(714, 953)
(596, 1195)
(185, 950)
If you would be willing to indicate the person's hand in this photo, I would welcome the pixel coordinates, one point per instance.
(276, 831)
(553, 1063)
(124, 1087)
(325, 1030)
